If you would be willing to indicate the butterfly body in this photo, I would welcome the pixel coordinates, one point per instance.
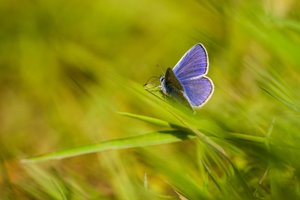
(186, 82)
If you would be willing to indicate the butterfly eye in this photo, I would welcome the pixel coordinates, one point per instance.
(162, 78)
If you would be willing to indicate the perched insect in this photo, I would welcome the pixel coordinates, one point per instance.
(187, 82)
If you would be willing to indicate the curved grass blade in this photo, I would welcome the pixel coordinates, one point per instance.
(150, 120)
(230, 136)
(156, 138)
(155, 121)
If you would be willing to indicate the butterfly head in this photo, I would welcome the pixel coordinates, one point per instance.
(163, 84)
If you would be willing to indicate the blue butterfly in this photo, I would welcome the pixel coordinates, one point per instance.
(187, 81)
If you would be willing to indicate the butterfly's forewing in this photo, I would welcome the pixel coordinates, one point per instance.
(194, 63)
(174, 88)
(198, 91)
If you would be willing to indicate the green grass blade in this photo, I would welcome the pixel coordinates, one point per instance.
(144, 118)
(229, 135)
(156, 138)
(47, 182)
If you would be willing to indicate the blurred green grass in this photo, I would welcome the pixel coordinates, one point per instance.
(67, 68)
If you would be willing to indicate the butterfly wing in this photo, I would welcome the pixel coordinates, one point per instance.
(171, 86)
(198, 90)
(194, 63)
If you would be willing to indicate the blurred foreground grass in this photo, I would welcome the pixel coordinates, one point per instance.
(67, 68)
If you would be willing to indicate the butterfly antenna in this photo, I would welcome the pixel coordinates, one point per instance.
(161, 69)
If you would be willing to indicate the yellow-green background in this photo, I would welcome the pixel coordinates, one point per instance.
(68, 67)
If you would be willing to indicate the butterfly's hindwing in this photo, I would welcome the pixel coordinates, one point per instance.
(198, 91)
